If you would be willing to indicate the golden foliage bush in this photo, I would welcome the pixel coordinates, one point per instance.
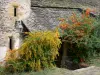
(37, 52)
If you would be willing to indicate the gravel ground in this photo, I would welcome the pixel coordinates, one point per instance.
(87, 71)
(60, 71)
(84, 71)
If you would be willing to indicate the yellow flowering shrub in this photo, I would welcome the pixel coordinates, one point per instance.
(38, 51)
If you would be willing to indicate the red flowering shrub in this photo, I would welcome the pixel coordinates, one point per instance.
(76, 32)
(77, 26)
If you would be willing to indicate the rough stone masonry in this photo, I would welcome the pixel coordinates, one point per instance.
(37, 15)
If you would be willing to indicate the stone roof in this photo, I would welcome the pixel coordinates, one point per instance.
(94, 4)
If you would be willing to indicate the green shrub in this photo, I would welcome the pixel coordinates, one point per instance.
(1, 70)
(38, 51)
(82, 34)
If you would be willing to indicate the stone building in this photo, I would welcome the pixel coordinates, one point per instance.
(36, 15)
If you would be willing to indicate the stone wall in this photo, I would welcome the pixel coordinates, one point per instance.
(44, 14)
(7, 20)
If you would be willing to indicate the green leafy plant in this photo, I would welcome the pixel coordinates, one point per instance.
(38, 51)
(81, 34)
